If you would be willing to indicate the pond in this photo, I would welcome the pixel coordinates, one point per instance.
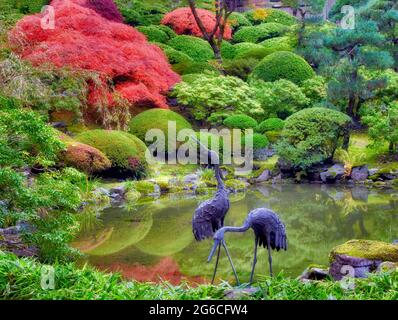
(153, 241)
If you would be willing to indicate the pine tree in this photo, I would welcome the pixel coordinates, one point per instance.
(355, 50)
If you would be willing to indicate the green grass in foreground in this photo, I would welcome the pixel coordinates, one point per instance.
(20, 279)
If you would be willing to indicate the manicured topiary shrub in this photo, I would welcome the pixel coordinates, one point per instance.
(237, 20)
(182, 21)
(227, 50)
(174, 56)
(277, 44)
(106, 8)
(262, 15)
(125, 151)
(240, 121)
(283, 65)
(271, 124)
(196, 48)
(24, 6)
(156, 119)
(259, 141)
(190, 67)
(83, 39)
(242, 48)
(256, 34)
(154, 34)
(311, 136)
(142, 13)
(170, 32)
(85, 158)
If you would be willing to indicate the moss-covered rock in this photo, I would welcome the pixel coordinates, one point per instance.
(125, 151)
(367, 249)
(235, 185)
(145, 187)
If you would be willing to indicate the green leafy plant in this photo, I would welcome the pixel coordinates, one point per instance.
(198, 49)
(271, 124)
(256, 34)
(208, 94)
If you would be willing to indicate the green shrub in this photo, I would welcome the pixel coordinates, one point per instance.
(237, 20)
(271, 124)
(277, 44)
(196, 48)
(227, 50)
(142, 13)
(174, 56)
(240, 121)
(240, 68)
(260, 141)
(280, 98)
(242, 48)
(25, 6)
(261, 15)
(125, 151)
(191, 77)
(256, 34)
(156, 119)
(144, 187)
(311, 136)
(167, 30)
(209, 94)
(154, 34)
(188, 67)
(315, 89)
(283, 65)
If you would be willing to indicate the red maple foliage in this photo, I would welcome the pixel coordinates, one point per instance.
(182, 21)
(82, 39)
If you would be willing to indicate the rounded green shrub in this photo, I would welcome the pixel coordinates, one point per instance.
(156, 119)
(283, 65)
(242, 48)
(262, 15)
(277, 44)
(125, 151)
(240, 121)
(154, 34)
(174, 56)
(170, 32)
(271, 124)
(184, 68)
(256, 34)
(312, 135)
(237, 20)
(259, 141)
(227, 50)
(196, 48)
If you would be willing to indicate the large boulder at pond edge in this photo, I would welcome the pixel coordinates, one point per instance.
(333, 174)
(363, 256)
(360, 173)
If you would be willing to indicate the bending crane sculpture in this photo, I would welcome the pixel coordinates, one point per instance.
(209, 216)
(269, 232)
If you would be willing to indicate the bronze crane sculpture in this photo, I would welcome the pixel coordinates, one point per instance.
(209, 216)
(269, 232)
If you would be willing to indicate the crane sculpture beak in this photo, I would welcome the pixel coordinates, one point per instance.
(213, 250)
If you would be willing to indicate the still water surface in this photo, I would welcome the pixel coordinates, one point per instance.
(153, 240)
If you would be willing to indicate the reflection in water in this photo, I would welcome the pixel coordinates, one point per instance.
(154, 241)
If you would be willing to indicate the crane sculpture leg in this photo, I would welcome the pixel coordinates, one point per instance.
(254, 259)
(269, 256)
(218, 245)
(216, 266)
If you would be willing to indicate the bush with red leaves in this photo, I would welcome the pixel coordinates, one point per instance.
(129, 66)
(182, 21)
